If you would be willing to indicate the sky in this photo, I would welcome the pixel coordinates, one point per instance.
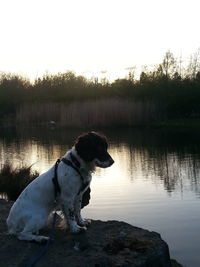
(94, 37)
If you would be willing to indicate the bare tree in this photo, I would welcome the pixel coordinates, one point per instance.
(194, 65)
(168, 65)
(131, 73)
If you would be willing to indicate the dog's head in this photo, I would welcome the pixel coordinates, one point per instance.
(93, 146)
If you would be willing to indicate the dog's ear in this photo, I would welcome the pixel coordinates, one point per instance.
(86, 198)
(84, 146)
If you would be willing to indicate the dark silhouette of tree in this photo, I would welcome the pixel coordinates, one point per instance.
(194, 65)
(174, 89)
(169, 65)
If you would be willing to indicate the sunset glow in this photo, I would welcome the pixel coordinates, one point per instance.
(94, 38)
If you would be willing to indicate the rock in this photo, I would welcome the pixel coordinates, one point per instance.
(104, 244)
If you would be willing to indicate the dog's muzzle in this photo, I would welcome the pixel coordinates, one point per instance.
(104, 164)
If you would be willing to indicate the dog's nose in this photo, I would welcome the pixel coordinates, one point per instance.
(111, 161)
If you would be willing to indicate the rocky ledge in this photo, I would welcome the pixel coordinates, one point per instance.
(104, 244)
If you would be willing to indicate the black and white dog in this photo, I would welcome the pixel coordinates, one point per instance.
(30, 211)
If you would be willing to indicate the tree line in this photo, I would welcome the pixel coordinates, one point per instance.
(172, 87)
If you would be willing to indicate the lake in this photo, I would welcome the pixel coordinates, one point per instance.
(154, 183)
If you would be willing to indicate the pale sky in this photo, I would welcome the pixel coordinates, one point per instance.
(91, 36)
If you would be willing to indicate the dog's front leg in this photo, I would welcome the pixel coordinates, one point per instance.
(81, 222)
(69, 213)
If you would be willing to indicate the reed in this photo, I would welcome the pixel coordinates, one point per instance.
(109, 112)
(13, 181)
(37, 113)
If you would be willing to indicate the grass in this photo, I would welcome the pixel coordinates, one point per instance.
(181, 123)
(13, 181)
(109, 112)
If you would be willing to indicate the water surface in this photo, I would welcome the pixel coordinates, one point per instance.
(154, 183)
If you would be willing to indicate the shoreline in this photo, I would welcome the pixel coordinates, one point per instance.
(164, 124)
(120, 244)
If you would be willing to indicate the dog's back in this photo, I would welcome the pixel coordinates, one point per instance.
(29, 202)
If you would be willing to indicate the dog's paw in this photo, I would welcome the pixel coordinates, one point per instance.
(84, 222)
(88, 222)
(78, 229)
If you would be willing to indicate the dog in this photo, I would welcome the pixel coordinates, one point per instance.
(65, 184)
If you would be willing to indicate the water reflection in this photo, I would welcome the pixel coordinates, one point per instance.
(154, 183)
(172, 159)
(177, 172)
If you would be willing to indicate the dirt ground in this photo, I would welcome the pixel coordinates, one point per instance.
(104, 244)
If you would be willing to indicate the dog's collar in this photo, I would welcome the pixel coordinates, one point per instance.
(57, 189)
(73, 163)
(74, 160)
